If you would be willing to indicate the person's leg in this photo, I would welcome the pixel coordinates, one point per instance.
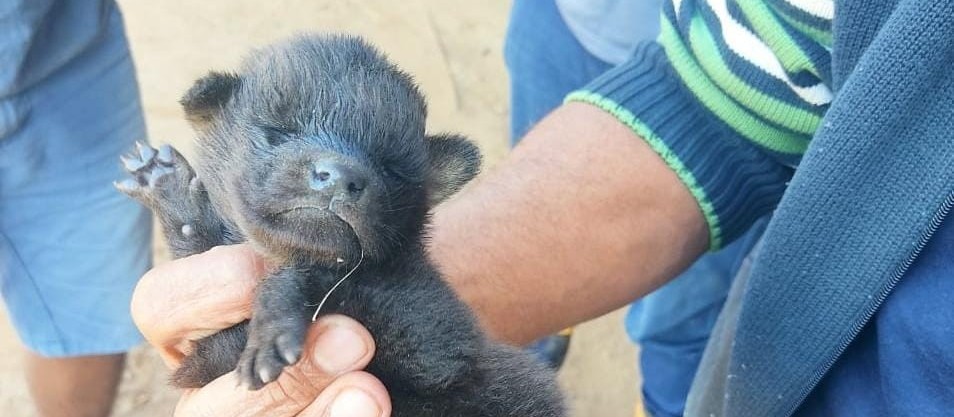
(71, 246)
(82, 386)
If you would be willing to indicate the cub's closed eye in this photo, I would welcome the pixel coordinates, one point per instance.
(275, 135)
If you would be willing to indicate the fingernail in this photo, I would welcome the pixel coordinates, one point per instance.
(338, 349)
(354, 403)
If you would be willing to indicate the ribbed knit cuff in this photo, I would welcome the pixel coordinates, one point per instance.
(733, 181)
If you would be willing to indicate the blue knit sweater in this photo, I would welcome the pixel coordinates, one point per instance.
(874, 178)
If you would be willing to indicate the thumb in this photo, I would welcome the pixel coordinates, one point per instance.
(356, 394)
(335, 345)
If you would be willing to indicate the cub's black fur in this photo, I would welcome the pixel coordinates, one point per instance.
(315, 152)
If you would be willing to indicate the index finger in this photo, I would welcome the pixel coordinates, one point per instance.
(187, 299)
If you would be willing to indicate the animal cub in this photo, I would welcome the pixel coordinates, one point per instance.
(315, 153)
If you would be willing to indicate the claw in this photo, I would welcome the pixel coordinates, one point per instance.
(288, 348)
(126, 185)
(145, 151)
(165, 154)
(291, 356)
(265, 375)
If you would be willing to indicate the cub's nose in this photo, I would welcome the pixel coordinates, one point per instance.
(338, 179)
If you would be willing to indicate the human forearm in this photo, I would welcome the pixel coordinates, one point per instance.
(582, 218)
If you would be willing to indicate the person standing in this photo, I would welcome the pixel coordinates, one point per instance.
(71, 247)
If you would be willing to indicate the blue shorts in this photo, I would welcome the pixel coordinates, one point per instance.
(71, 246)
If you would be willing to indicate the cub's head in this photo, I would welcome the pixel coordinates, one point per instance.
(316, 147)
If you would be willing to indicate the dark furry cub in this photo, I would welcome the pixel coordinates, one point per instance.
(315, 152)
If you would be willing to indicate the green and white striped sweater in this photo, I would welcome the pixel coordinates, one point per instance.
(873, 188)
(742, 72)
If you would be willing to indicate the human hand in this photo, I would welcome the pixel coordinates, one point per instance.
(187, 299)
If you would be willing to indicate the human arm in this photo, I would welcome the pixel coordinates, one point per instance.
(582, 218)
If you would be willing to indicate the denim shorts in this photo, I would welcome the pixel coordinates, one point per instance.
(71, 246)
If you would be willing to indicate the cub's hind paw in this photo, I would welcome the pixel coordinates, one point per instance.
(158, 176)
(162, 180)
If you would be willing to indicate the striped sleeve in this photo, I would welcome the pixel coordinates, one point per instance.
(729, 96)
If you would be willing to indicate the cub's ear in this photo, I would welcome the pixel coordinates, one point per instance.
(206, 97)
(452, 162)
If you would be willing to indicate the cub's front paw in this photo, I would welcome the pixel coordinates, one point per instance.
(272, 345)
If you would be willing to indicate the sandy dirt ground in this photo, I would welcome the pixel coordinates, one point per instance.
(453, 48)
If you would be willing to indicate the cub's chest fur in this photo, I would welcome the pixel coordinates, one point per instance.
(315, 152)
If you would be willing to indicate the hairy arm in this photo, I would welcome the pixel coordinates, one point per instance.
(581, 219)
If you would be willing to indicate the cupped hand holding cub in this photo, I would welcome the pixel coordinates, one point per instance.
(184, 300)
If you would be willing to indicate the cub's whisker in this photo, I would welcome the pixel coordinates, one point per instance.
(334, 287)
